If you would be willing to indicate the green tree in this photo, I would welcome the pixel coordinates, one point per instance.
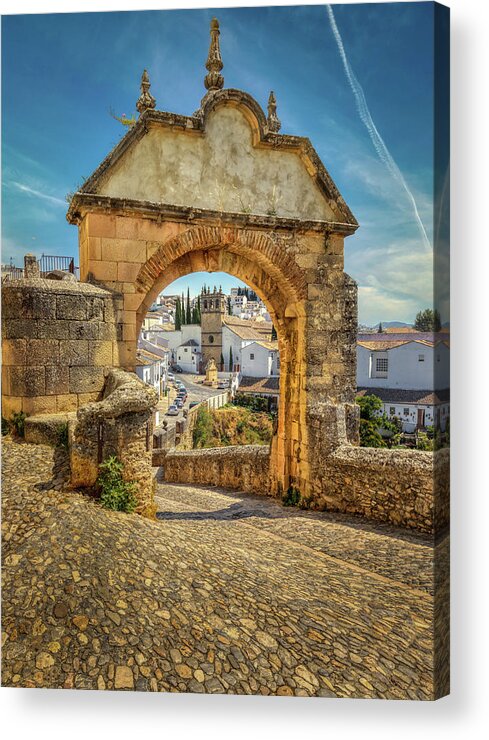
(230, 311)
(188, 313)
(183, 309)
(178, 315)
(380, 329)
(230, 359)
(369, 421)
(274, 333)
(222, 361)
(427, 320)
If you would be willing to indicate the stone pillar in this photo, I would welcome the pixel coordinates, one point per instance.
(31, 266)
(121, 425)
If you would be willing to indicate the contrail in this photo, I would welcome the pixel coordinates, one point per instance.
(377, 140)
(38, 194)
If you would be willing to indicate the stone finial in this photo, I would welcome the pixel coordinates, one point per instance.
(272, 119)
(214, 79)
(145, 100)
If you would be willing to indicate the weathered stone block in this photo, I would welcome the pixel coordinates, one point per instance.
(53, 329)
(73, 352)
(71, 307)
(25, 381)
(66, 402)
(57, 380)
(84, 330)
(103, 271)
(95, 309)
(85, 379)
(39, 405)
(14, 352)
(127, 271)
(42, 352)
(100, 353)
(106, 330)
(18, 328)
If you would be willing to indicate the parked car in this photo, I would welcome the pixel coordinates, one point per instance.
(173, 410)
(223, 384)
(177, 369)
(179, 403)
(171, 377)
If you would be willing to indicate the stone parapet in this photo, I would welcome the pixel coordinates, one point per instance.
(121, 425)
(243, 468)
(408, 488)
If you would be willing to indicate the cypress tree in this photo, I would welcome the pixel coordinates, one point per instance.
(230, 359)
(274, 333)
(178, 315)
(222, 361)
(188, 316)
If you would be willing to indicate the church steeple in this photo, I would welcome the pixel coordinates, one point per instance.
(214, 79)
(273, 120)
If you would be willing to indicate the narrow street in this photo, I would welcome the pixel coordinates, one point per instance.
(196, 393)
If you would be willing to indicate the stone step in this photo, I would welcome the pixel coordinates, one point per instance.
(46, 429)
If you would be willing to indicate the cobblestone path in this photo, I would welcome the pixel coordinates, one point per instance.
(225, 592)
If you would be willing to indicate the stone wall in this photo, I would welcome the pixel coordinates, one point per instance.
(401, 487)
(58, 340)
(121, 425)
(243, 468)
(408, 488)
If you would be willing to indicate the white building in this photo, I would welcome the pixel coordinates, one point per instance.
(410, 373)
(238, 333)
(188, 356)
(260, 359)
(179, 337)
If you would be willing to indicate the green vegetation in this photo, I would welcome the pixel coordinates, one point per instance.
(427, 320)
(291, 497)
(63, 436)
(115, 493)
(230, 425)
(371, 422)
(202, 432)
(5, 427)
(255, 403)
(17, 423)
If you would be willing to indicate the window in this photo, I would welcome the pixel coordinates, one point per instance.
(185, 349)
(381, 364)
(252, 356)
(392, 410)
(211, 339)
(406, 412)
(420, 358)
(438, 358)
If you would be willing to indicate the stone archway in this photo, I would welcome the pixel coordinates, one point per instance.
(222, 190)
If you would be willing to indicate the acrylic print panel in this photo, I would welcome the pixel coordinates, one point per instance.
(225, 386)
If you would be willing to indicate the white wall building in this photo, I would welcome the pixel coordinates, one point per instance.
(188, 356)
(260, 359)
(410, 373)
(178, 338)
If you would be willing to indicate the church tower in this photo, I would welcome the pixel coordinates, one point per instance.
(212, 310)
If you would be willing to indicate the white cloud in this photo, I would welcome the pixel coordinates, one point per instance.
(39, 194)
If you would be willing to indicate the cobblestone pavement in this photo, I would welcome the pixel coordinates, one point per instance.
(224, 593)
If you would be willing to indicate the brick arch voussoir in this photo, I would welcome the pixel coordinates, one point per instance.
(200, 238)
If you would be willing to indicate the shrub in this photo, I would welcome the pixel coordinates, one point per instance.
(115, 493)
(292, 497)
(17, 423)
(5, 426)
(63, 436)
(369, 436)
(423, 442)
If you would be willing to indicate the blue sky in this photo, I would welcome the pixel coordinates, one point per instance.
(62, 72)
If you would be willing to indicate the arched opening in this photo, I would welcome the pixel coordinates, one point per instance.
(195, 321)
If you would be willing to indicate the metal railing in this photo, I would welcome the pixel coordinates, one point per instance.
(12, 273)
(51, 262)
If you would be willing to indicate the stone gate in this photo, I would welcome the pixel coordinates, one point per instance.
(223, 190)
